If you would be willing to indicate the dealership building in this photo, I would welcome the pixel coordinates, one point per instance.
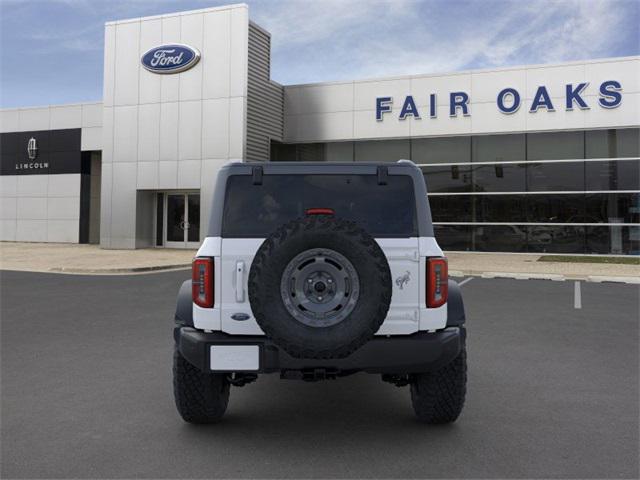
(541, 158)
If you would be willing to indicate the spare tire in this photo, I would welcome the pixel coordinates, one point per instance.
(320, 287)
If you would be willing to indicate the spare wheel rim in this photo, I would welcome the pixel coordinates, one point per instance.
(320, 287)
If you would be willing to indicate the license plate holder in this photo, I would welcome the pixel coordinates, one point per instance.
(234, 358)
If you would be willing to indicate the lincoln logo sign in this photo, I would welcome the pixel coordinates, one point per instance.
(32, 149)
(508, 101)
(172, 58)
(32, 154)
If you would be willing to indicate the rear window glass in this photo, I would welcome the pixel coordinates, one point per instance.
(257, 210)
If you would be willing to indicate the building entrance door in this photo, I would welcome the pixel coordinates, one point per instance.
(182, 220)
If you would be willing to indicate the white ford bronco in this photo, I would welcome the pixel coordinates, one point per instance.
(318, 271)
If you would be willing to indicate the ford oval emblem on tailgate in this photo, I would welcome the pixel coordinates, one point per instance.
(241, 316)
(173, 58)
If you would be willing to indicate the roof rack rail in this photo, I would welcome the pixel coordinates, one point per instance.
(404, 160)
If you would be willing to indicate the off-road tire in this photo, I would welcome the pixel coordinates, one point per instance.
(313, 232)
(200, 397)
(438, 397)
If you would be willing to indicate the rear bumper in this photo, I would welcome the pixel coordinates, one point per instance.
(420, 352)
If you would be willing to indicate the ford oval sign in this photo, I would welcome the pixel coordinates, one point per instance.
(172, 58)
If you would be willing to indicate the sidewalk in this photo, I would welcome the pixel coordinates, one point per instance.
(90, 259)
(491, 265)
(73, 258)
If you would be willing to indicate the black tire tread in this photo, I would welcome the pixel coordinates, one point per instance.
(200, 397)
(438, 397)
(332, 225)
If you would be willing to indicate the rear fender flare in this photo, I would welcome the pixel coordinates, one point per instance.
(455, 306)
(184, 305)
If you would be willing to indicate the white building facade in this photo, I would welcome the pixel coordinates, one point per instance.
(537, 158)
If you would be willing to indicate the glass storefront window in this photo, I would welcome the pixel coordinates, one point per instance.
(532, 177)
(499, 148)
(441, 150)
(613, 240)
(613, 207)
(500, 208)
(448, 178)
(612, 143)
(451, 208)
(453, 237)
(382, 150)
(499, 178)
(555, 145)
(500, 238)
(546, 177)
(613, 175)
(559, 208)
(555, 239)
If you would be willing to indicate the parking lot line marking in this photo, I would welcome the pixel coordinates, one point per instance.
(577, 296)
(465, 281)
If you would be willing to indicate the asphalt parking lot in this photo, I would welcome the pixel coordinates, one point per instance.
(86, 392)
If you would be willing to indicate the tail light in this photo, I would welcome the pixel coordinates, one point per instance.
(202, 282)
(437, 282)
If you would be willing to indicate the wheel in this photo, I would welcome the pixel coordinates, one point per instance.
(320, 287)
(200, 397)
(438, 397)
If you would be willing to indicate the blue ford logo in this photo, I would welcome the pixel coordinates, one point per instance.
(172, 58)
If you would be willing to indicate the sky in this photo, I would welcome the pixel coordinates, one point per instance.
(51, 51)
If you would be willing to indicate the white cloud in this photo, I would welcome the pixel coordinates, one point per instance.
(332, 39)
(295, 22)
(79, 40)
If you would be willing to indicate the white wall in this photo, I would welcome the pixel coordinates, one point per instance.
(40, 208)
(87, 116)
(173, 131)
(346, 110)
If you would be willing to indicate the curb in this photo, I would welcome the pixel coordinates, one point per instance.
(154, 268)
(546, 276)
(525, 276)
(599, 279)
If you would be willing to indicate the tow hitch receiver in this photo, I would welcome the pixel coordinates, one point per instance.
(311, 375)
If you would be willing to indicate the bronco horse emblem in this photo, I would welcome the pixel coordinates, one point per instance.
(404, 279)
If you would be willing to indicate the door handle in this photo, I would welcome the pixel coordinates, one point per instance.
(240, 281)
